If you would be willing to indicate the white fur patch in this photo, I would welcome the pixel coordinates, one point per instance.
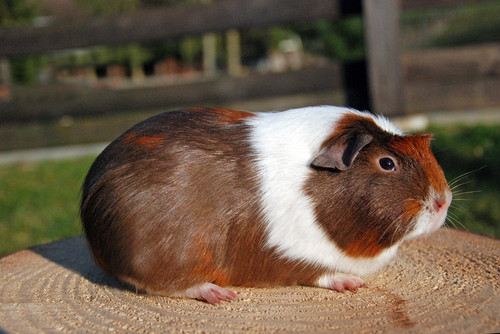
(429, 220)
(338, 281)
(285, 144)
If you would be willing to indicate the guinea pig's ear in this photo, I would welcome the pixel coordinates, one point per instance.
(341, 154)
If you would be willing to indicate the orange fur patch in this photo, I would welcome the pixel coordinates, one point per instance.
(205, 269)
(411, 209)
(419, 145)
(368, 246)
(226, 116)
(148, 142)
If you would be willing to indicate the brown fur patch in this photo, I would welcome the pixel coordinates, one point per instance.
(348, 125)
(186, 211)
(364, 209)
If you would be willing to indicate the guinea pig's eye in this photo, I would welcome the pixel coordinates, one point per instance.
(387, 164)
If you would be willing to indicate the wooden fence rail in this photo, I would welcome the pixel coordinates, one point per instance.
(171, 22)
(83, 101)
(164, 23)
(386, 85)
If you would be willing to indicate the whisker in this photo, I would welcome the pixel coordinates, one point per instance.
(408, 227)
(460, 193)
(465, 212)
(460, 185)
(460, 177)
(392, 224)
(456, 221)
(395, 231)
(452, 220)
(395, 221)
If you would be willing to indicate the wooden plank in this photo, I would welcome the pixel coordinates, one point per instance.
(381, 19)
(424, 4)
(447, 96)
(27, 104)
(163, 23)
(452, 78)
(468, 63)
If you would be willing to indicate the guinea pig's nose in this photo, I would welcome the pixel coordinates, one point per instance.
(440, 203)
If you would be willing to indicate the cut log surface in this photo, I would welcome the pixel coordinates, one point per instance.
(446, 282)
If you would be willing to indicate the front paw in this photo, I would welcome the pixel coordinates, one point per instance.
(340, 282)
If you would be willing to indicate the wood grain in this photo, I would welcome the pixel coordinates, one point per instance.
(448, 282)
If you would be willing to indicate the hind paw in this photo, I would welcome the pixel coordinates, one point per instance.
(210, 293)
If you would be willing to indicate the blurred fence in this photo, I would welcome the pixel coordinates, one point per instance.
(452, 78)
(397, 84)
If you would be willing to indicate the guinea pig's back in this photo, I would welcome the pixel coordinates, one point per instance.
(162, 193)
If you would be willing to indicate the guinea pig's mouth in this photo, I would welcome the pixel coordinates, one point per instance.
(436, 223)
(439, 210)
(433, 214)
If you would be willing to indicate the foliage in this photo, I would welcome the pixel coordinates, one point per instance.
(16, 12)
(25, 70)
(337, 39)
(19, 12)
(132, 55)
(190, 50)
(340, 39)
(472, 23)
(99, 7)
(110, 7)
(471, 156)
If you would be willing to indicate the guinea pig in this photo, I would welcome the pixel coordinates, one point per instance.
(188, 202)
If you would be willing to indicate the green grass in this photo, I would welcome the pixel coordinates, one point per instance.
(39, 201)
(474, 150)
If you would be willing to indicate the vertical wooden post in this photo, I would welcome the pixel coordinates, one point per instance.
(233, 51)
(4, 71)
(209, 50)
(381, 21)
(209, 44)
